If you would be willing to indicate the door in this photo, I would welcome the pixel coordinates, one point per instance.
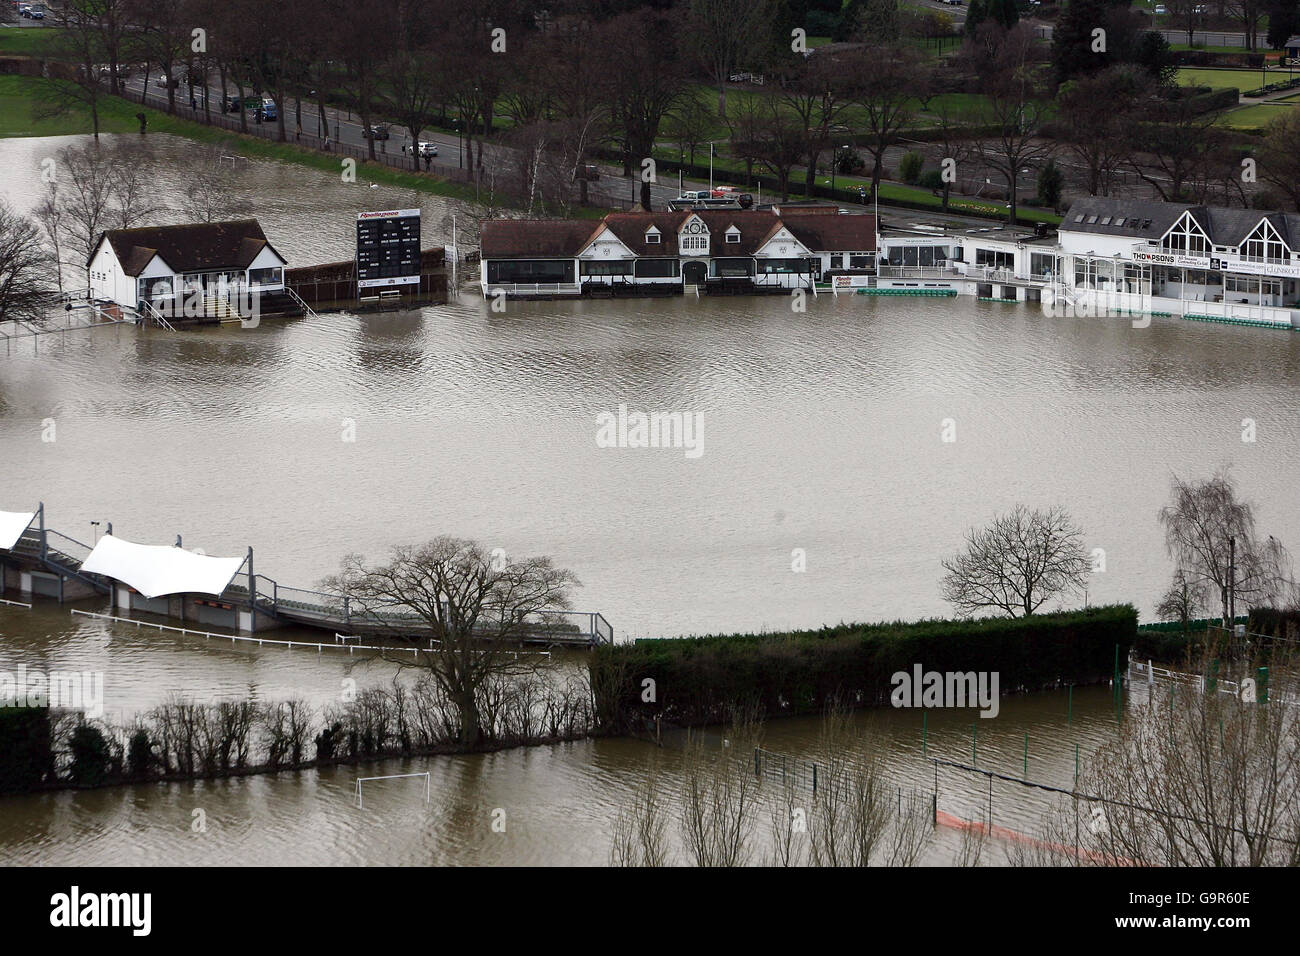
(694, 273)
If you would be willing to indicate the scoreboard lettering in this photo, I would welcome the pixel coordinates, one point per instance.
(388, 248)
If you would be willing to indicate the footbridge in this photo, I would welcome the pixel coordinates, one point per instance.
(226, 592)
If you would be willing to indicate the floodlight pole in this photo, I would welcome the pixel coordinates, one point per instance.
(252, 594)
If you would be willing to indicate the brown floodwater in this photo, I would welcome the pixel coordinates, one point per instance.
(822, 432)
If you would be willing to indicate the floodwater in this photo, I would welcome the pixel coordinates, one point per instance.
(822, 431)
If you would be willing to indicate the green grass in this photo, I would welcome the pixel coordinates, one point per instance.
(1255, 117)
(19, 93)
(1237, 79)
(27, 41)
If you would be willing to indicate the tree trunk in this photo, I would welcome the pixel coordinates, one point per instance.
(470, 730)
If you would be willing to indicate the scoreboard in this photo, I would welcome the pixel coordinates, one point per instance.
(388, 248)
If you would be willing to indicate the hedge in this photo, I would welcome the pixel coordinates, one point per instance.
(698, 680)
(26, 756)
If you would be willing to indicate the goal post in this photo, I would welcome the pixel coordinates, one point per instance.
(428, 783)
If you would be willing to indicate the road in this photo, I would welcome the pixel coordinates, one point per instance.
(345, 128)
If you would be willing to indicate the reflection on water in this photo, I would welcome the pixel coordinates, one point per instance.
(559, 801)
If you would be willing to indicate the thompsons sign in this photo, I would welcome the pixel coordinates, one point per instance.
(1173, 259)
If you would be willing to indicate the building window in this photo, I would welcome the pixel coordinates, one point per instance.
(657, 268)
(995, 259)
(1264, 245)
(783, 266)
(1186, 238)
(622, 267)
(652, 239)
(694, 243)
(530, 271)
(861, 260)
(733, 237)
(730, 268)
(1042, 264)
(271, 276)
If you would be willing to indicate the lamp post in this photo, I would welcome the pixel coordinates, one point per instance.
(94, 530)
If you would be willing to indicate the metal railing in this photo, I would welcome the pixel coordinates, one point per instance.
(306, 309)
(149, 311)
(534, 288)
(324, 608)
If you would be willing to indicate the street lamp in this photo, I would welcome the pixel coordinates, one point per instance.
(94, 530)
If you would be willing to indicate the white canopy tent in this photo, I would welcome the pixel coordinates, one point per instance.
(12, 526)
(155, 570)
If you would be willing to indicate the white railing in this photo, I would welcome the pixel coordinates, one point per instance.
(917, 272)
(534, 288)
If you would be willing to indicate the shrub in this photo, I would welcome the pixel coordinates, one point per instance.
(909, 168)
(90, 756)
(140, 759)
(931, 179)
(26, 757)
(697, 680)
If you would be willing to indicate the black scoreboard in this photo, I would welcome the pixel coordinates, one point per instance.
(388, 248)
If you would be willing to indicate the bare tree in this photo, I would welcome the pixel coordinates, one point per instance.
(887, 87)
(647, 77)
(1185, 600)
(1210, 534)
(1279, 160)
(1016, 564)
(470, 605)
(22, 285)
(1096, 112)
(721, 33)
(1013, 76)
(211, 193)
(640, 827)
(1199, 778)
(719, 796)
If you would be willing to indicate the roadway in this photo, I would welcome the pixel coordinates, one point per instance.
(346, 128)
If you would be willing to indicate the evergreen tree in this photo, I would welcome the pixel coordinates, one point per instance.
(1283, 21)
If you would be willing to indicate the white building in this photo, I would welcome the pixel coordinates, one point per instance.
(644, 253)
(166, 265)
(1196, 261)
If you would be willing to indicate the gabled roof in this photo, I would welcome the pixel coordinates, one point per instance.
(194, 247)
(1225, 226)
(558, 238)
(534, 238)
(1143, 218)
(823, 233)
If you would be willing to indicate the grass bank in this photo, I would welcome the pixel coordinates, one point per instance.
(19, 95)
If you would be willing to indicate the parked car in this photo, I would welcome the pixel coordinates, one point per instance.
(123, 71)
(232, 104)
(267, 109)
(424, 148)
(378, 131)
(587, 171)
(167, 82)
(1161, 10)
